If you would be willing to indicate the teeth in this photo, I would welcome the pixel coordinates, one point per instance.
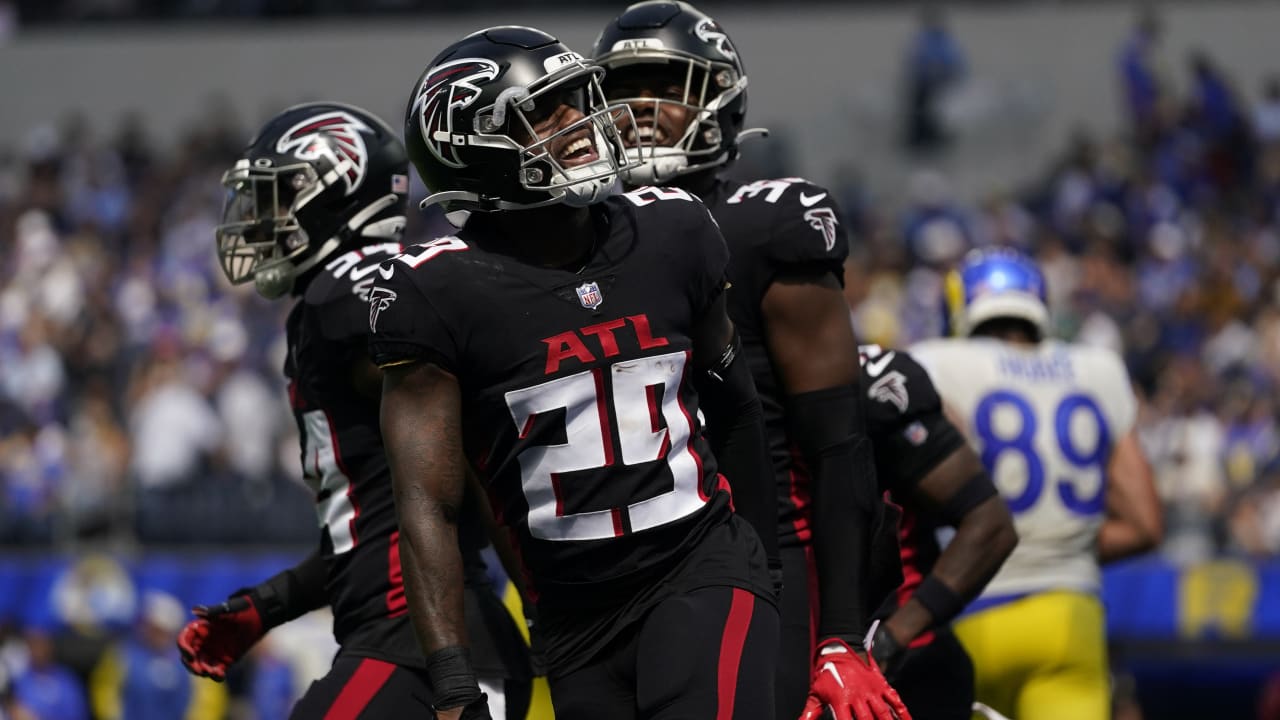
(576, 145)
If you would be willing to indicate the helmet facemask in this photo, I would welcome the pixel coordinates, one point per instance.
(699, 87)
(260, 237)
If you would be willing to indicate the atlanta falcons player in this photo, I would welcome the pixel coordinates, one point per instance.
(315, 203)
(684, 81)
(922, 460)
(566, 344)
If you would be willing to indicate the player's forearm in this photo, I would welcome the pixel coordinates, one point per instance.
(420, 428)
(983, 540)
(430, 559)
(290, 594)
(830, 429)
(432, 567)
(1134, 522)
(1119, 538)
(736, 431)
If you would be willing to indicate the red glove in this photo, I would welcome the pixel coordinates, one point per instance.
(850, 687)
(219, 636)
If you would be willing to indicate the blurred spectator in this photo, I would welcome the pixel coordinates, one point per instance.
(142, 679)
(272, 692)
(1222, 124)
(1140, 76)
(937, 230)
(10, 707)
(46, 688)
(174, 430)
(934, 64)
(1266, 116)
(8, 21)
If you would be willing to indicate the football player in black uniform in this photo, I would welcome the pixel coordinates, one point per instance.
(684, 81)
(925, 464)
(315, 203)
(566, 344)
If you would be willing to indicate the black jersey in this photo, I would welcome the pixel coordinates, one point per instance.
(911, 436)
(773, 227)
(578, 408)
(344, 463)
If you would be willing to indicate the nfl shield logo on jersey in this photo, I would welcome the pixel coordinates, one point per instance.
(589, 295)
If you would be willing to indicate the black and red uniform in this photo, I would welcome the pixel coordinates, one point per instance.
(379, 662)
(580, 416)
(911, 436)
(774, 227)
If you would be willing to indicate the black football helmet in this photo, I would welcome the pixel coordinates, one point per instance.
(696, 54)
(469, 126)
(317, 177)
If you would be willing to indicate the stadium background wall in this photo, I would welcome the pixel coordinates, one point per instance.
(823, 76)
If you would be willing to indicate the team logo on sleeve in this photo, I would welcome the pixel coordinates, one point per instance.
(335, 136)
(452, 86)
(892, 388)
(824, 221)
(380, 299)
(589, 295)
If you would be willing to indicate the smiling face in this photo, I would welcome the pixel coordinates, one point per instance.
(551, 123)
(661, 98)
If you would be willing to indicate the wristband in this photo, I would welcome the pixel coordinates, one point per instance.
(453, 680)
(885, 649)
(942, 602)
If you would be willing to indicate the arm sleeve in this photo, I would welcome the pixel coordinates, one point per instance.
(848, 514)
(290, 594)
(733, 410)
(728, 397)
(405, 323)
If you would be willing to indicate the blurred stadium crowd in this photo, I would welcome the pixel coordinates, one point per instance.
(142, 404)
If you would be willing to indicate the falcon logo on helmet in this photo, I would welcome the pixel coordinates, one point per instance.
(710, 33)
(334, 136)
(448, 87)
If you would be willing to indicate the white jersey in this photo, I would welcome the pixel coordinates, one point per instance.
(1044, 420)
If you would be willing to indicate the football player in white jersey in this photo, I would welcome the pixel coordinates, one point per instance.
(1054, 425)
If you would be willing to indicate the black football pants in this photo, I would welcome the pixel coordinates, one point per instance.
(798, 609)
(360, 688)
(704, 655)
(935, 681)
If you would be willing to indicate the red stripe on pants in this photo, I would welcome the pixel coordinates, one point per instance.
(365, 682)
(735, 636)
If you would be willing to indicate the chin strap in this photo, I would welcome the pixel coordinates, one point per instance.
(476, 203)
(750, 133)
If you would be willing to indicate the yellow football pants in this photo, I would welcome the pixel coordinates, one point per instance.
(1043, 657)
